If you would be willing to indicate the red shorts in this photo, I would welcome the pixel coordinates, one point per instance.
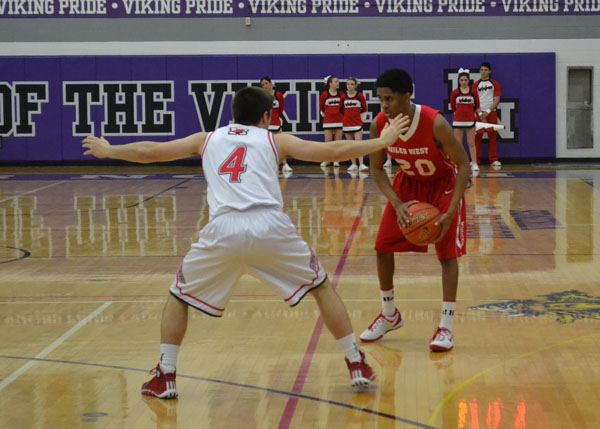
(439, 193)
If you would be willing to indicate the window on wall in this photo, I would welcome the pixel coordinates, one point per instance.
(580, 108)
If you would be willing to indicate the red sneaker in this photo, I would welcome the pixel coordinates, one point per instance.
(162, 385)
(361, 373)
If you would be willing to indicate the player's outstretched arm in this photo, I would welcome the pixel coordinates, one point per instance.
(145, 151)
(339, 150)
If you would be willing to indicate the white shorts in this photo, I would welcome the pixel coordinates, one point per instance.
(262, 242)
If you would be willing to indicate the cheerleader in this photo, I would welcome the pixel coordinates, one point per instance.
(329, 106)
(465, 105)
(276, 112)
(354, 107)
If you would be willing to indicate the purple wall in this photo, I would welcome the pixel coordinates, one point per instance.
(48, 104)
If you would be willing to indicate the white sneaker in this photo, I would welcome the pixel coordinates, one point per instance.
(353, 167)
(286, 167)
(324, 164)
(380, 326)
(442, 340)
(336, 164)
(497, 164)
(474, 167)
(363, 167)
(388, 163)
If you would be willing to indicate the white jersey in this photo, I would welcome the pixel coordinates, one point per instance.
(241, 166)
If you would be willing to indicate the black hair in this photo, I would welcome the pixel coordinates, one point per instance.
(250, 104)
(486, 64)
(397, 80)
(267, 78)
(464, 74)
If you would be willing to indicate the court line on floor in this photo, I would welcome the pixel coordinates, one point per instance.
(157, 194)
(234, 384)
(290, 406)
(51, 300)
(33, 190)
(453, 393)
(8, 380)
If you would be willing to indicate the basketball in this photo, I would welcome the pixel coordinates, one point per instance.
(421, 229)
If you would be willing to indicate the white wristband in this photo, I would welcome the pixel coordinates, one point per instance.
(488, 111)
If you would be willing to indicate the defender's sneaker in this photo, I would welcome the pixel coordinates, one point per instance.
(162, 385)
(380, 326)
(361, 373)
(442, 340)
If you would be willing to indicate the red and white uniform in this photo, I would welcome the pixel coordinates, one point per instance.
(487, 90)
(247, 233)
(426, 174)
(464, 107)
(330, 107)
(277, 111)
(352, 108)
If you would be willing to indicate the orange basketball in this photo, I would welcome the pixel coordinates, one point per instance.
(421, 229)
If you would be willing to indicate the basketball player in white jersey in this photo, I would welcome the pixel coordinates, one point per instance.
(247, 231)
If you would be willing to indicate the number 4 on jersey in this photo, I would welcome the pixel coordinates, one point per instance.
(234, 164)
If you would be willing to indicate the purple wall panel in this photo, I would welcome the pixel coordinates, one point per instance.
(290, 67)
(253, 68)
(160, 98)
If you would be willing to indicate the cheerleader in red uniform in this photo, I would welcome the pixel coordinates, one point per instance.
(330, 108)
(465, 105)
(353, 108)
(276, 112)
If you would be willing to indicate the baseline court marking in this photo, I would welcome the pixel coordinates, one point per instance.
(8, 380)
(234, 384)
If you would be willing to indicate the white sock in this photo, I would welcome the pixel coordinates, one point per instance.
(350, 347)
(448, 308)
(387, 302)
(168, 357)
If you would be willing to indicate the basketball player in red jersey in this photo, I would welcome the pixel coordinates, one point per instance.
(489, 97)
(247, 231)
(330, 105)
(353, 107)
(434, 168)
(278, 106)
(465, 105)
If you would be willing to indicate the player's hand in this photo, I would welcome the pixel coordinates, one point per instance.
(445, 220)
(98, 147)
(402, 213)
(392, 130)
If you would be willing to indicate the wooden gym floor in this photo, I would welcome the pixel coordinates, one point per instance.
(87, 256)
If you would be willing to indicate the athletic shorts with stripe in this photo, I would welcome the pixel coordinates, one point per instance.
(262, 242)
(439, 193)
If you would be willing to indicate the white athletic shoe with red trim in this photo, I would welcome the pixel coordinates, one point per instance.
(380, 326)
(162, 385)
(442, 340)
(361, 374)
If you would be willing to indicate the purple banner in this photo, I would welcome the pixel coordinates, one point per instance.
(289, 8)
(49, 104)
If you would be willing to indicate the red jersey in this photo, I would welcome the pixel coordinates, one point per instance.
(276, 111)
(419, 155)
(330, 106)
(352, 107)
(486, 90)
(464, 106)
